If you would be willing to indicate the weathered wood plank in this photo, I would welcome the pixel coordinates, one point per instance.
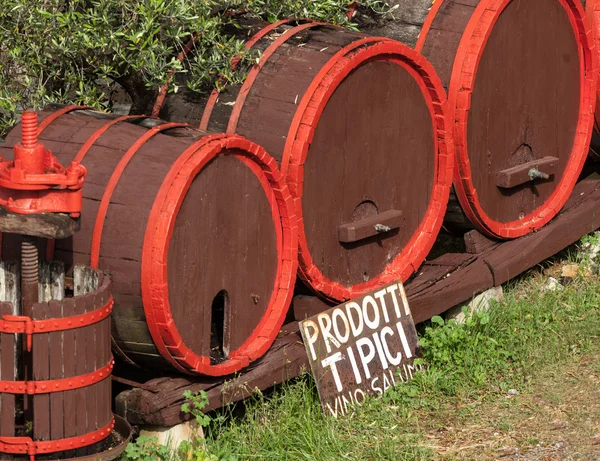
(41, 372)
(69, 349)
(57, 356)
(476, 243)
(285, 359)
(45, 225)
(7, 372)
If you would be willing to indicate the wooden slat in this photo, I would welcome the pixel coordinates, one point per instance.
(57, 280)
(10, 291)
(91, 364)
(57, 357)
(69, 350)
(41, 371)
(105, 411)
(44, 287)
(7, 372)
(80, 369)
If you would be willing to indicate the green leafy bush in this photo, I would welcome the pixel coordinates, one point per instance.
(455, 349)
(84, 51)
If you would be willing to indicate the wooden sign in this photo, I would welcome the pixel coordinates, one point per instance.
(362, 347)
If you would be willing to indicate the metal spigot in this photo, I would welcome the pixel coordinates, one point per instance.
(534, 174)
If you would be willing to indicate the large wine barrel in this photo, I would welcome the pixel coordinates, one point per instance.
(358, 125)
(198, 232)
(521, 89)
(592, 11)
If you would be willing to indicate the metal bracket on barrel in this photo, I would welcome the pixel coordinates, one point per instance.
(378, 224)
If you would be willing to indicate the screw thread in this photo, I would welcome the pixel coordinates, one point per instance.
(29, 129)
(29, 260)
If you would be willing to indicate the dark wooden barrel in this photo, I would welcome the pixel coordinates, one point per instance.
(521, 89)
(359, 128)
(592, 11)
(198, 232)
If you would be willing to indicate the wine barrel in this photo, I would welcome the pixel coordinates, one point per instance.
(359, 128)
(198, 232)
(521, 89)
(592, 11)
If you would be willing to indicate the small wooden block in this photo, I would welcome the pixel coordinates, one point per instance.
(45, 225)
(517, 175)
(368, 227)
(476, 243)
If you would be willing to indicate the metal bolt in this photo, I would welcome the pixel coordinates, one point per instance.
(534, 173)
(381, 228)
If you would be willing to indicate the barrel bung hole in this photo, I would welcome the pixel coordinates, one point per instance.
(219, 348)
(365, 209)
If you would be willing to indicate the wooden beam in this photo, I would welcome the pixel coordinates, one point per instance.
(477, 243)
(45, 225)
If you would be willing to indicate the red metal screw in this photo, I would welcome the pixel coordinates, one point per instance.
(29, 129)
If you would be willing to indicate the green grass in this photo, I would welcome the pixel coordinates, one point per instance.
(545, 345)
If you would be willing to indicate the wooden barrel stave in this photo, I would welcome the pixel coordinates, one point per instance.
(254, 223)
(301, 72)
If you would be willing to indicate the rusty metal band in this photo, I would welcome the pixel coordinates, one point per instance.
(214, 95)
(57, 385)
(253, 74)
(59, 113)
(28, 446)
(112, 185)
